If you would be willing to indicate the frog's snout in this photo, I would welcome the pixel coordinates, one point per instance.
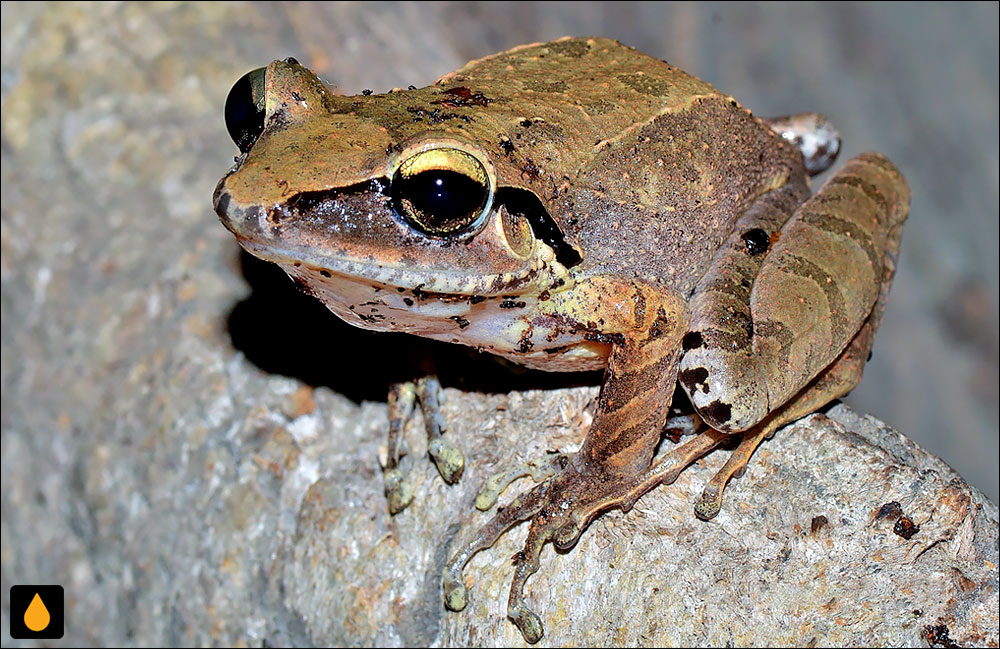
(236, 218)
(223, 203)
(220, 199)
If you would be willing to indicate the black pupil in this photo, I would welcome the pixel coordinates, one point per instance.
(244, 116)
(438, 201)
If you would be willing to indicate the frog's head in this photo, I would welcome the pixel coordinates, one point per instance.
(352, 187)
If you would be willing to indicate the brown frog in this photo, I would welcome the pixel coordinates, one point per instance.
(576, 205)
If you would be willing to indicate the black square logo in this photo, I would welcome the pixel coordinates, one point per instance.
(36, 612)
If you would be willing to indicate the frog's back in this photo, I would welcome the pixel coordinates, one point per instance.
(642, 166)
(652, 165)
(574, 93)
(547, 105)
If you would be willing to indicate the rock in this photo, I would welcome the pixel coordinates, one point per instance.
(270, 526)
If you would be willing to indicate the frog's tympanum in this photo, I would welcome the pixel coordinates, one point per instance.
(576, 205)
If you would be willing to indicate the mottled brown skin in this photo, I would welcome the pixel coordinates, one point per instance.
(640, 221)
(590, 128)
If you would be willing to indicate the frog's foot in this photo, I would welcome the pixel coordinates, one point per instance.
(813, 134)
(539, 469)
(710, 503)
(448, 459)
(559, 510)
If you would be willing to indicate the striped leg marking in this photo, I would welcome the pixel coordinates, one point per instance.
(750, 351)
(643, 324)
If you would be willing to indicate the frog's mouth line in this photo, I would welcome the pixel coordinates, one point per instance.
(540, 276)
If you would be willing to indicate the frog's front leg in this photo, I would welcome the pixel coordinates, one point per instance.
(643, 324)
(426, 391)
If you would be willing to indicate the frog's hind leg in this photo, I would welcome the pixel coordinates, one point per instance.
(801, 347)
(835, 381)
(449, 460)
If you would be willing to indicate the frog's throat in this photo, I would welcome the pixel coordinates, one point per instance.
(543, 274)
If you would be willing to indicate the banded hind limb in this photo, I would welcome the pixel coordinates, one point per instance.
(802, 337)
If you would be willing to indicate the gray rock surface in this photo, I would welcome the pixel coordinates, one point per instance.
(166, 462)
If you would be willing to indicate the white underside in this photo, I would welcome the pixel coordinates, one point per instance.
(514, 327)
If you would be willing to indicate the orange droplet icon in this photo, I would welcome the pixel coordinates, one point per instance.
(36, 617)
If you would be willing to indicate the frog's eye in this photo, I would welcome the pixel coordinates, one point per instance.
(441, 192)
(245, 109)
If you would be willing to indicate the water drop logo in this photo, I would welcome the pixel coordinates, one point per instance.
(36, 611)
(37, 616)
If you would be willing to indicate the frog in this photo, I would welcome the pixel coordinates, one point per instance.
(576, 205)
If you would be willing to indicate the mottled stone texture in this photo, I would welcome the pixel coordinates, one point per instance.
(164, 460)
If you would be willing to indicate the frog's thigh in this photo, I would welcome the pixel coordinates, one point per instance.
(841, 376)
(750, 352)
(834, 381)
(720, 305)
